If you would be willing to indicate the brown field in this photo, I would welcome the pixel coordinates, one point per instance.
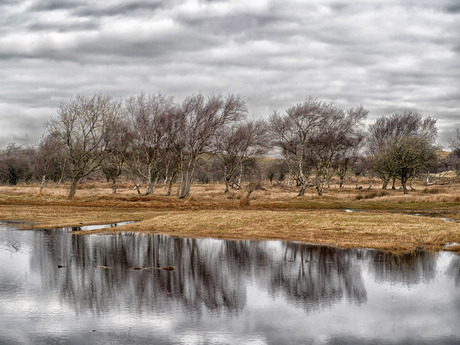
(386, 220)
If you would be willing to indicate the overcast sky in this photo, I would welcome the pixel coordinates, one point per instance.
(389, 55)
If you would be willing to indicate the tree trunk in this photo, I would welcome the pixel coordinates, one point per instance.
(320, 186)
(341, 182)
(179, 183)
(372, 180)
(155, 183)
(148, 191)
(393, 187)
(241, 175)
(42, 185)
(114, 186)
(165, 182)
(411, 186)
(403, 183)
(186, 188)
(303, 188)
(428, 179)
(226, 178)
(187, 183)
(385, 184)
(171, 181)
(181, 174)
(73, 187)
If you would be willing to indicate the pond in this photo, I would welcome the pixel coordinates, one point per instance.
(60, 288)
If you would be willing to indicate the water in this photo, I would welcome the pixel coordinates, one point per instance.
(96, 227)
(111, 290)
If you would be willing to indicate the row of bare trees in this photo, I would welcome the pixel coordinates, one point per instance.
(151, 137)
(321, 139)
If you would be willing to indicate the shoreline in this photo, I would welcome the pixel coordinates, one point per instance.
(391, 223)
(339, 230)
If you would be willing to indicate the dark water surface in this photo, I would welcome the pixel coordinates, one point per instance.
(219, 292)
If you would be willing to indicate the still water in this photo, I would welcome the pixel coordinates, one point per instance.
(59, 288)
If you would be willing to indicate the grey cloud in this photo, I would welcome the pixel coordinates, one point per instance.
(103, 47)
(453, 6)
(54, 5)
(230, 24)
(22, 129)
(275, 54)
(67, 27)
(122, 8)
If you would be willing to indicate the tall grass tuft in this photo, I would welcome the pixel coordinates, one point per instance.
(372, 195)
(434, 190)
(244, 202)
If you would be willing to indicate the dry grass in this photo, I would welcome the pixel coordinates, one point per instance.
(394, 232)
(274, 213)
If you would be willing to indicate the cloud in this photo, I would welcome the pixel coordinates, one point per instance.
(452, 6)
(387, 56)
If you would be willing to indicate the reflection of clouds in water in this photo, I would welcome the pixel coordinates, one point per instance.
(227, 292)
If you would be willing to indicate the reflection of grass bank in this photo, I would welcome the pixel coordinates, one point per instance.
(385, 221)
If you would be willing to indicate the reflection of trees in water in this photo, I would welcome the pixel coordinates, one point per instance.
(200, 278)
(318, 276)
(209, 275)
(410, 268)
(454, 270)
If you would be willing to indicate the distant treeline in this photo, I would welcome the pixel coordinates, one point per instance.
(151, 138)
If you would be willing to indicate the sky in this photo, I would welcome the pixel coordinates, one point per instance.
(389, 56)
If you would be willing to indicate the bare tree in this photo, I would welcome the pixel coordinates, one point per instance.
(336, 133)
(238, 142)
(202, 119)
(454, 156)
(117, 150)
(311, 134)
(386, 130)
(149, 118)
(292, 132)
(15, 164)
(455, 141)
(285, 139)
(347, 157)
(81, 125)
(50, 160)
(408, 155)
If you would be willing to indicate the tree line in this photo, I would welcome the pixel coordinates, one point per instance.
(151, 137)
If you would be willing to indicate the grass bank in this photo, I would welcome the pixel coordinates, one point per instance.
(386, 220)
